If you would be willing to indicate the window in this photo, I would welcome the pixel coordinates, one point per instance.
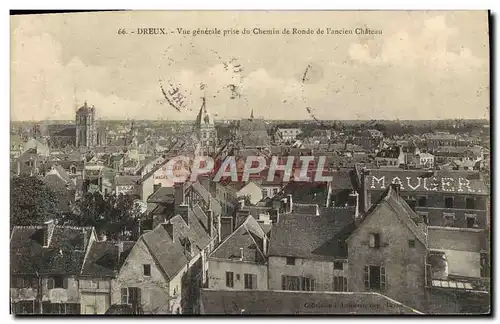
(338, 265)
(250, 281)
(375, 277)
(229, 280)
(146, 270)
(448, 219)
(290, 261)
(264, 193)
(471, 221)
(422, 201)
(275, 191)
(470, 203)
(339, 283)
(411, 243)
(448, 202)
(425, 217)
(375, 240)
(131, 296)
(297, 283)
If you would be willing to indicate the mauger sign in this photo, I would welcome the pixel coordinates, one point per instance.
(451, 184)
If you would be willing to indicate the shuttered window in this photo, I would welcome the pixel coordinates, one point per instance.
(339, 283)
(375, 277)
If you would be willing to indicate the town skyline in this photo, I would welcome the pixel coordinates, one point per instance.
(419, 55)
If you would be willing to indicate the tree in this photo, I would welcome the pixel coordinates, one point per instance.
(115, 216)
(31, 202)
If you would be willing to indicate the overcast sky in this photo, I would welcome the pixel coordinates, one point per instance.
(425, 65)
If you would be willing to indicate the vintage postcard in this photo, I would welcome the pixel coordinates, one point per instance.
(250, 162)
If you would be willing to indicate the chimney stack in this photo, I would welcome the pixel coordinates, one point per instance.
(169, 228)
(241, 254)
(264, 245)
(119, 246)
(179, 197)
(290, 204)
(355, 194)
(183, 210)
(18, 167)
(48, 230)
(210, 217)
(329, 195)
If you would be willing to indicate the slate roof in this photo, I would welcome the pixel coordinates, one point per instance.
(249, 236)
(451, 238)
(305, 192)
(68, 131)
(205, 194)
(171, 256)
(64, 255)
(267, 302)
(253, 132)
(123, 180)
(162, 195)
(102, 259)
(312, 237)
(391, 153)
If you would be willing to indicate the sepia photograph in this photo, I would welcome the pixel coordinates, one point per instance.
(244, 162)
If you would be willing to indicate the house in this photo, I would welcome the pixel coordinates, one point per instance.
(272, 302)
(102, 263)
(457, 271)
(45, 263)
(239, 262)
(41, 148)
(287, 134)
(308, 252)
(253, 191)
(126, 185)
(253, 133)
(393, 156)
(166, 267)
(387, 251)
(440, 197)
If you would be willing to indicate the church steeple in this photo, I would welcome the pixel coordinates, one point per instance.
(251, 114)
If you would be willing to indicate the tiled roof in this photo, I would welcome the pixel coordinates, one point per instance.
(312, 237)
(123, 180)
(249, 236)
(102, 259)
(171, 256)
(391, 200)
(275, 302)
(162, 195)
(64, 255)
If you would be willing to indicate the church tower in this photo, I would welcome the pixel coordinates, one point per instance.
(206, 128)
(86, 130)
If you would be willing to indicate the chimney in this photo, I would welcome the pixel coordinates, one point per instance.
(226, 227)
(119, 246)
(355, 194)
(210, 217)
(179, 194)
(48, 230)
(396, 187)
(18, 167)
(264, 245)
(329, 195)
(183, 210)
(241, 254)
(169, 228)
